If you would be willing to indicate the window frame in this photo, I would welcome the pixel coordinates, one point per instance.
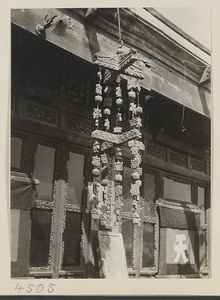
(179, 179)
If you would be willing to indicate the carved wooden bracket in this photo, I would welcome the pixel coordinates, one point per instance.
(206, 76)
(41, 29)
(116, 138)
(125, 62)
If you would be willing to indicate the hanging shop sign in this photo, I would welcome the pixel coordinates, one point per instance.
(109, 136)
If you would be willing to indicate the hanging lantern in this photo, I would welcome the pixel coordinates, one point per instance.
(118, 178)
(135, 176)
(98, 99)
(131, 95)
(119, 102)
(96, 172)
(95, 214)
(107, 112)
(104, 182)
(139, 110)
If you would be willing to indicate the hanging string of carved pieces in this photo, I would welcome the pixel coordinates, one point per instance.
(135, 145)
(100, 200)
(118, 154)
(96, 160)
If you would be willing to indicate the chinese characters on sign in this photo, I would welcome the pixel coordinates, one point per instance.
(180, 247)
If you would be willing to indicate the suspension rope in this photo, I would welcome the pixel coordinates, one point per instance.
(119, 24)
(183, 128)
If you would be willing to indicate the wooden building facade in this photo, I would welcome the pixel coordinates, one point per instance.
(52, 97)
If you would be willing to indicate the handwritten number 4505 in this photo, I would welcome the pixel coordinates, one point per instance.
(39, 288)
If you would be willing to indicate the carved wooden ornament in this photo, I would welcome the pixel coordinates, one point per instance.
(108, 203)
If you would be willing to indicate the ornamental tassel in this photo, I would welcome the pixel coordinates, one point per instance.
(107, 108)
(119, 103)
(98, 99)
(104, 183)
(96, 161)
(135, 145)
(118, 167)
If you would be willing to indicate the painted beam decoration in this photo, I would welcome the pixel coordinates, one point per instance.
(106, 191)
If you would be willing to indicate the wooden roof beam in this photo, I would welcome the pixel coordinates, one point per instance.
(90, 12)
(206, 76)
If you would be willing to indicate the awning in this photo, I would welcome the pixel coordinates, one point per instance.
(192, 96)
(22, 191)
(177, 216)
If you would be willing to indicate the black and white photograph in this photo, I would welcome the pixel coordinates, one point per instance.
(110, 161)
(110, 145)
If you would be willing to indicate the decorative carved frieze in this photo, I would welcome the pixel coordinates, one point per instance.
(41, 113)
(78, 124)
(156, 151)
(105, 136)
(178, 159)
(116, 138)
(148, 219)
(198, 165)
(129, 135)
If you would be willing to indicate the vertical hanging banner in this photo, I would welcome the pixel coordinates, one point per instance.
(107, 206)
(179, 236)
(100, 202)
(179, 252)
